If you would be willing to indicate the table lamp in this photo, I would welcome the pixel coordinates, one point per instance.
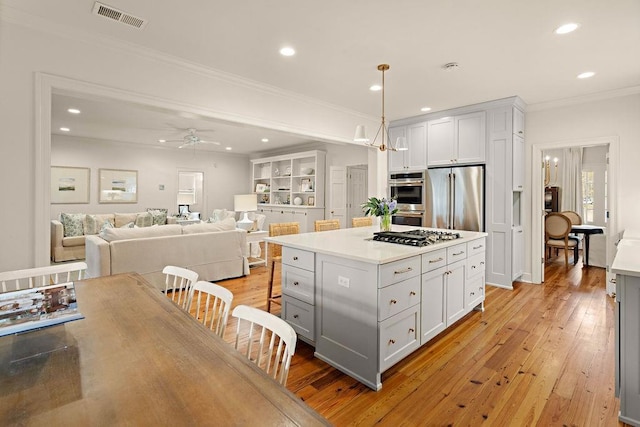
(245, 203)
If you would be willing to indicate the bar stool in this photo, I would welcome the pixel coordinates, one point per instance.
(275, 251)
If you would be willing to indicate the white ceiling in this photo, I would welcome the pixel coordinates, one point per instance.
(503, 47)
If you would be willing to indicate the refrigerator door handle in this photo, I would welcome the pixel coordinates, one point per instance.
(452, 224)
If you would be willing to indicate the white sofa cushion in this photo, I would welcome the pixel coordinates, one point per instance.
(224, 225)
(113, 234)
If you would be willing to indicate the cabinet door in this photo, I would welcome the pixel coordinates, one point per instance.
(455, 291)
(517, 260)
(433, 319)
(518, 123)
(470, 136)
(474, 291)
(416, 156)
(396, 158)
(440, 141)
(518, 163)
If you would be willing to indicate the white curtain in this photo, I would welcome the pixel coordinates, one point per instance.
(572, 180)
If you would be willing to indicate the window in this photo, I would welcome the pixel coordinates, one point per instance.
(587, 196)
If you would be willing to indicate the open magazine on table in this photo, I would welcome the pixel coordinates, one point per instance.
(36, 308)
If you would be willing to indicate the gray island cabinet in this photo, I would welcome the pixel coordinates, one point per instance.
(365, 305)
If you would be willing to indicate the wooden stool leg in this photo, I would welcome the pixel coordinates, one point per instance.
(270, 287)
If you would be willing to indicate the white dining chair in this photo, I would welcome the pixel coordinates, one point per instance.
(272, 328)
(212, 305)
(41, 276)
(180, 282)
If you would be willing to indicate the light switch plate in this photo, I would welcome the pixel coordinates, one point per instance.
(343, 281)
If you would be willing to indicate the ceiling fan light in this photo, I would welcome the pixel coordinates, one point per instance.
(360, 135)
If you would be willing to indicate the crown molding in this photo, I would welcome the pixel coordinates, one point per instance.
(40, 24)
(583, 99)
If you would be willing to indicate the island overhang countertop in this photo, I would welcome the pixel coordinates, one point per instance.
(357, 243)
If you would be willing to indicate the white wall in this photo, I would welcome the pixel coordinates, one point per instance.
(224, 174)
(29, 46)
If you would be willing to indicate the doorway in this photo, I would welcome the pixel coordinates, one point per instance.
(356, 191)
(538, 190)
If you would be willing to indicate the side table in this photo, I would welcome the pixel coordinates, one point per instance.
(257, 237)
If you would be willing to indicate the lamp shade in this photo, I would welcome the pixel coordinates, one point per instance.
(245, 202)
(360, 135)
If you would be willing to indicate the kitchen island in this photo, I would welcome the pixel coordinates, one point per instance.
(365, 304)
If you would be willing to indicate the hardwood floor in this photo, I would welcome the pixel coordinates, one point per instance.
(538, 355)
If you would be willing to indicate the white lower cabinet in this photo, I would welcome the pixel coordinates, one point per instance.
(298, 291)
(455, 291)
(399, 336)
(433, 317)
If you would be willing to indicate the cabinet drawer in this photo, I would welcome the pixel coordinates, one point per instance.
(473, 291)
(396, 298)
(475, 265)
(434, 260)
(399, 336)
(298, 283)
(456, 253)
(299, 315)
(476, 246)
(298, 258)
(397, 271)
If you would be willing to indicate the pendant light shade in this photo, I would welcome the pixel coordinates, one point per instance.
(401, 144)
(360, 134)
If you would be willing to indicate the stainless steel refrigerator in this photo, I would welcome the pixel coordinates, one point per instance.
(455, 198)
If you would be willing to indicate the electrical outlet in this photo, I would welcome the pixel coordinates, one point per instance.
(343, 281)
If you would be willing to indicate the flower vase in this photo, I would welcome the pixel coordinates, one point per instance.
(385, 222)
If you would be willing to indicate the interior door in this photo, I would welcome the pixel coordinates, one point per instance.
(356, 191)
(337, 207)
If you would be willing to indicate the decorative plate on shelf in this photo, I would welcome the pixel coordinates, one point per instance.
(307, 171)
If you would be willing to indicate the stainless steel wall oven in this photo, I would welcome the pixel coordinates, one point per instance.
(408, 188)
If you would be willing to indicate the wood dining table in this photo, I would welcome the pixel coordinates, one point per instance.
(136, 359)
(587, 230)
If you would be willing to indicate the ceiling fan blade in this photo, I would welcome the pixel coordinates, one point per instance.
(208, 142)
(187, 144)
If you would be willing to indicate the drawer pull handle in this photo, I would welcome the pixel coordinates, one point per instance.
(412, 293)
(481, 262)
(392, 342)
(477, 247)
(473, 293)
(295, 258)
(411, 330)
(431, 261)
(404, 270)
(393, 301)
(295, 316)
(296, 283)
(458, 253)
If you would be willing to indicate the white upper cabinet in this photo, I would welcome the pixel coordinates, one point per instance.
(416, 155)
(518, 163)
(457, 139)
(471, 136)
(518, 123)
(440, 145)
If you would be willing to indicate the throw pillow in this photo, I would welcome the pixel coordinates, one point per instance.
(72, 224)
(159, 216)
(129, 225)
(107, 224)
(91, 224)
(144, 220)
(218, 215)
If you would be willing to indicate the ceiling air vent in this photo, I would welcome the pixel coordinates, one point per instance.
(118, 15)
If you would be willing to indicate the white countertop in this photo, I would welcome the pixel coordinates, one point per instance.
(357, 244)
(627, 259)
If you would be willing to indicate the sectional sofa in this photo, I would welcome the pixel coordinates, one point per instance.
(215, 251)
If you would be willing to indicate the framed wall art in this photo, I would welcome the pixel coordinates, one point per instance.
(69, 184)
(117, 186)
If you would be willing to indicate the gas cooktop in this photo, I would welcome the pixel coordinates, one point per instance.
(416, 237)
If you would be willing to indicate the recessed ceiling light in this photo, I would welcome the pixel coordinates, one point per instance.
(566, 28)
(228, 148)
(586, 75)
(65, 129)
(375, 88)
(162, 140)
(425, 109)
(265, 140)
(287, 51)
(73, 111)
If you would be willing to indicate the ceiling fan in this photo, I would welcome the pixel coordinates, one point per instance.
(191, 139)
